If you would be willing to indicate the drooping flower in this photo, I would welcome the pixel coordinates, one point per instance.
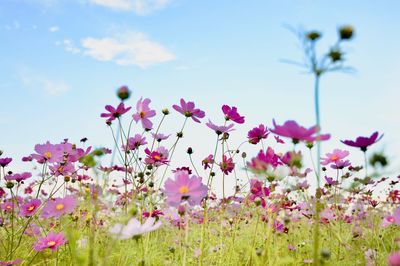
(51, 241)
(257, 134)
(232, 114)
(58, 207)
(294, 131)
(135, 142)
(144, 113)
(30, 208)
(157, 157)
(48, 152)
(18, 177)
(188, 109)
(184, 188)
(220, 129)
(114, 113)
(394, 259)
(134, 228)
(207, 161)
(227, 165)
(5, 161)
(159, 136)
(363, 142)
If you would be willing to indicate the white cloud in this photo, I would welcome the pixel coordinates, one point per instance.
(69, 46)
(54, 29)
(140, 7)
(36, 81)
(130, 48)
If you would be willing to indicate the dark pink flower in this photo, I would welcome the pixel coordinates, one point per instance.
(5, 161)
(279, 140)
(207, 161)
(144, 113)
(291, 129)
(394, 259)
(10, 263)
(227, 165)
(48, 152)
(30, 208)
(188, 109)
(51, 241)
(153, 213)
(135, 142)
(232, 114)
(363, 142)
(157, 157)
(7, 206)
(257, 134)
(114, 113)
(18, 177)
(264, 160)
(58, 207)
(184, 188)
(258, 190)
(220, 129)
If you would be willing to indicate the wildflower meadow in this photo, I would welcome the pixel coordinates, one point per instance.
(272, 196)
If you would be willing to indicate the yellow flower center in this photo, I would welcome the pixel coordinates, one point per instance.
(142, 114)
(157, 157)
(60, 206)
(51, 243)
(183, 189)
(31, 208)
(47, 155)
(334, 158)
(8, 207)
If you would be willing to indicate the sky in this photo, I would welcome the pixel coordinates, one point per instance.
(62, 60)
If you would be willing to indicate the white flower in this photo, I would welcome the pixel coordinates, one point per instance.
(134, 228)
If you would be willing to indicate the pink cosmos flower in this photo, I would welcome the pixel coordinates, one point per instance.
(232, 114)
(135, 142)
(394, 259)
(184, 188)
(7, 206)
(291, 129)
(188, 109)
(207, 161)
(62, 169)
(48, 152)
(58, 207)
(264, 160)
(330, 181)
(220, 129)
(10, 263)
(114, 113)
(134, 228)
(257, 134)
(18, 177)
(144, 113)
(51, 241)
(5, 161)
(363, 142)
(227, 165)
(157, 157)
(258, 190)
(32, 230)
(336, 159)
(396, 216)
(30, 208)
(159, 137)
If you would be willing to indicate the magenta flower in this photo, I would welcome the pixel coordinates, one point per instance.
(258, 190)
(51, 241)
(5, 161)
(157, 157)
(336, 159)
(159, 137)
(264, 160)
(396, 216)
(7, 206)
(232, 114)
(18, 177)
(143, 113)
(62, 169)
(188, 109)
(184, 188)
(363, 142)
(58, 207)
(135, 142)
(29, 208)
(330, 181)
(257, 134)
(227, 165)
(10, 263)
(394, 259)
(114, 113)
(290, 129)
(220, 129)
(48, 152)
(207, 161)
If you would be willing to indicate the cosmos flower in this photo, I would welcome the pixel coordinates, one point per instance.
(258, 190)
(62, 169)
(134, 228)
(159, 137)
(18, 177)
(144, 113)
(184, 188)
(188, 109)
(51, 241)
(232, 114)
(220, 129)
(257, 134)
(264, 159)
(290, 129)
(207, 161)
(363, 142)
(50, 153)
(394, 259)
(30, 208)
(32, 230)
(227, 165)
(396, 216)
(330, 181)
(114, 113)
(58, 207)
(157, 157)
(10, 263)
(335, 158)
(5, 161)
(135, 142)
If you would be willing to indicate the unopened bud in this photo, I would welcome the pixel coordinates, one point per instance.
(123, 93)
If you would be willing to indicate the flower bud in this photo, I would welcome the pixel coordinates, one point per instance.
(181, 210)
(257, 201)
(123, 93)
(313, 35)
(10, 185)
(346, 32)
(189, 151)
(165, 111)
(325, 253)
(335, 55)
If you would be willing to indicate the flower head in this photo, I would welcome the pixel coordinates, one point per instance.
(232, 114)
(144, 113)
(184, 188)
(207, 161)
(58, 207)
(5, 161)
(363, 142)
(188, 109)
(159, 136)
(257, 134)
(134, 228)
(220, 129)
(227, 165)
(30, 208)
(291, 129)
(18, 177)
(265, 159)
(50, 153)
(394, 259)
(51, 241)
(157, 157)
(135, 142)
(335, 158)
(114, 113)
(10, 263)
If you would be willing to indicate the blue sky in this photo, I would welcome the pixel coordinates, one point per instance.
(61, 61)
